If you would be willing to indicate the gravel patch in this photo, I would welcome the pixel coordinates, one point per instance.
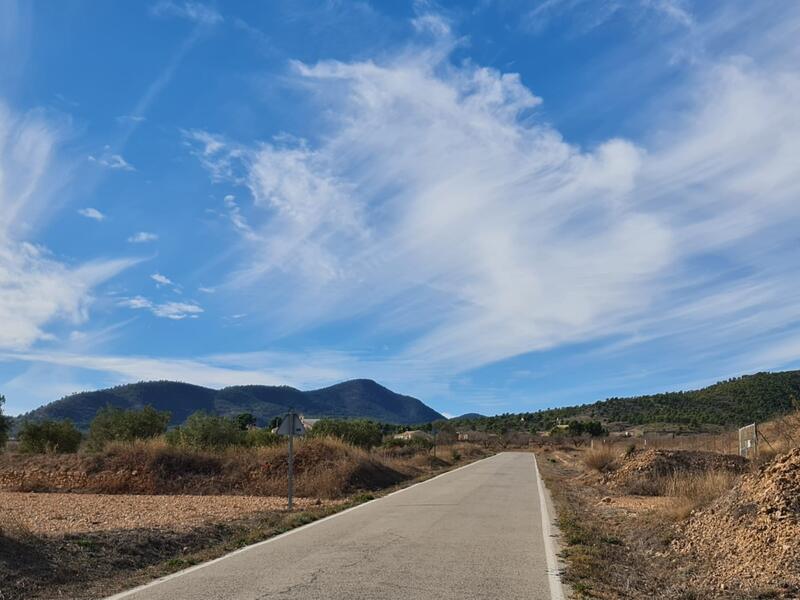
(55, 514)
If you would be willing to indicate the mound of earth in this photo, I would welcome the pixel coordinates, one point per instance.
(643, 470)
(750, 537)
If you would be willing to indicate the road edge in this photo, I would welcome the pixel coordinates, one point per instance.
(549, 533)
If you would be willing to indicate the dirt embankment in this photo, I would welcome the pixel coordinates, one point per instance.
(324, 468)
(643, 472)
(750, 537)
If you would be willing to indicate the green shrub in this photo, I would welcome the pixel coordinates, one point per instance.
(358, 432)
(261, 437)
(49, 436)
(5, 424)
(207, 432)
(246, 420)
(114, 424)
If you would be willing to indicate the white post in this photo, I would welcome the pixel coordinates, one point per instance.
(291, 460)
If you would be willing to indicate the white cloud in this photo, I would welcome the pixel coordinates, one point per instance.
(177, 310)
(36, 290)
(218, 156)
(439, 200)
(167, 310)
(206, 290)
(142, 237)
(197, 12)
(236, 217)
(91, 213)
(136, 302)
(110, 160)
(161, 279)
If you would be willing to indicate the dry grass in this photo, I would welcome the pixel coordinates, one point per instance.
(602, 458)
(692, 491)
(323, 467)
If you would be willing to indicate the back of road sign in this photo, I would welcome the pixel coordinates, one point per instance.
(291, 425)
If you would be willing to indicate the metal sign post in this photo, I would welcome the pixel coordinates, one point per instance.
(291, 426)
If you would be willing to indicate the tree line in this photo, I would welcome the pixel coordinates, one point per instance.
(200, 431)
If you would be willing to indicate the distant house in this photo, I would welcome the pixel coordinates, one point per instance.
(416, 434)
(476, 436)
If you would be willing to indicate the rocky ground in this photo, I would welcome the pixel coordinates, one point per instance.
(752, 534)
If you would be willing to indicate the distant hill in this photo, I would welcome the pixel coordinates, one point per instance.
(734, 402)
(357, 398)
(468, 416)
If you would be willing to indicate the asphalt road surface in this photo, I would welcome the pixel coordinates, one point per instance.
(475, 532)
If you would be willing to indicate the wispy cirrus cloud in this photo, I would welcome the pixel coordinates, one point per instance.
(128, 119)
(176, 311)
(196, 12)
(36, 288)
(586, 15)
(111, 160)
(438, 199)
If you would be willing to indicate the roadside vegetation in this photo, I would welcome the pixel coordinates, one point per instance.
(674, 523)
(54, 437)
(129, 453)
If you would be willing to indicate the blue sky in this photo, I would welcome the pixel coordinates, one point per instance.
(494, 205)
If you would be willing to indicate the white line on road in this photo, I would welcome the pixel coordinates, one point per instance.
(553, 577)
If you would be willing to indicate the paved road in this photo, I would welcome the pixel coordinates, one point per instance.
(475, 532)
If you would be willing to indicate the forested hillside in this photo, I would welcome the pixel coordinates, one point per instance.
(735, 402)
(356, 398)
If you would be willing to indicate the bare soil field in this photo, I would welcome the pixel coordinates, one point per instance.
(55, 514)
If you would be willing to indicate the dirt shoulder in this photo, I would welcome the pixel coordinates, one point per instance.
(611, 550)
(618, 544)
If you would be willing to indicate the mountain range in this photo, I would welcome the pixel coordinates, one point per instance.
(362, 398)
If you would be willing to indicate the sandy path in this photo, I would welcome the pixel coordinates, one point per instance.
(72, 513)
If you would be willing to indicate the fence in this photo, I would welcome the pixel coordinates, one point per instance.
(748, 441)
(753, 441)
